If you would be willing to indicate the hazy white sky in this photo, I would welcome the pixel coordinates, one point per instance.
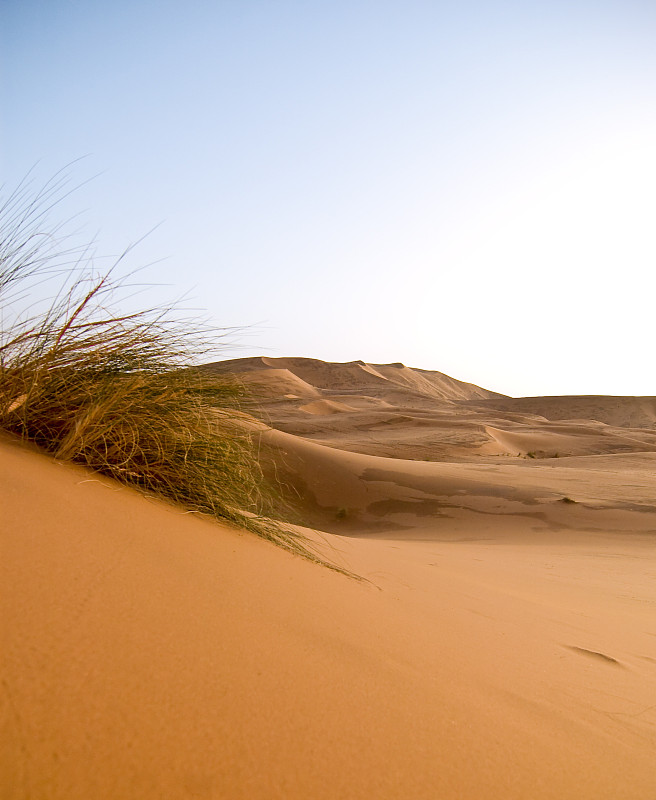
(462, 186)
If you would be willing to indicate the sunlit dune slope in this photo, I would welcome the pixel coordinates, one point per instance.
(147, 653)
(274, 383)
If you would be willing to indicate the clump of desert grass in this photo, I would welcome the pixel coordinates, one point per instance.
(118, 391)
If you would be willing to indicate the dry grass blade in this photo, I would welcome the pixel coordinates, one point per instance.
(118, 392)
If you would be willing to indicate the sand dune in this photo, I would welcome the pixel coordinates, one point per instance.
(274, 383)
(356, 375)
(406, 413)
(546, 441)
(323, 407)
(345, 492)
(623, 412)
(502, 644)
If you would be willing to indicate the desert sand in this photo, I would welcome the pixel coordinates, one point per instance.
(501, 642)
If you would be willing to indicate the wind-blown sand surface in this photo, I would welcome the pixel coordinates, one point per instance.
(503, 644)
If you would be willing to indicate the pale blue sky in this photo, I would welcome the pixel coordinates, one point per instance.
(462, 186)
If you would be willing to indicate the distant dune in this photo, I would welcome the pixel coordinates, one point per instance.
(356, 376)
(622, 412)
(394, 411)
(501, 645)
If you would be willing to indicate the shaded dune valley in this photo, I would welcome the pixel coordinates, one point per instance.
(499, 640)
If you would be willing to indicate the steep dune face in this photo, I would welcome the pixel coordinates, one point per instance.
(433, 384)
(274, 383)
(149, 654)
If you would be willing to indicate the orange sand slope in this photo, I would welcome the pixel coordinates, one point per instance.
(503, 644)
